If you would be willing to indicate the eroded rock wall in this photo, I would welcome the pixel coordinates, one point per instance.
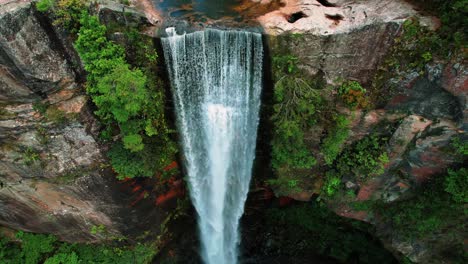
(426, 108)
(53, 175)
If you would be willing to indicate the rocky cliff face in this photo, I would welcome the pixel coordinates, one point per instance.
(350, 40)
(53, 174)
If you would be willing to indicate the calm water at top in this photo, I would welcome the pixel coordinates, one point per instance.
(213, 9)
(205, 10)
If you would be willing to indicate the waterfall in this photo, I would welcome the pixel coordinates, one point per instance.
(216, 80)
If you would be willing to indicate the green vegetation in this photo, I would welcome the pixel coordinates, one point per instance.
(331, 146)
(44, 5)
(332, 183)
(418, 45)
(38, 248)
(353, 95)
(296, 104)
(365, 158)
(284, 186)
(314, 229)
(33, 246)
(40, 107)
(459, 145)
(432, 210)
(456, 183)
(65, 13)
(453, 13)
(129, 105)
(127, 93)
(30, 156)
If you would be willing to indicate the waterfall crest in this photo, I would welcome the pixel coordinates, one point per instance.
(216, 80)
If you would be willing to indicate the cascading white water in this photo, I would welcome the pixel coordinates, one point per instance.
(216, 80)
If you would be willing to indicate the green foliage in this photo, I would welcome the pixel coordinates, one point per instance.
(285, 64)
(332, 183)
(143, 163)
(453, 15)
(331, 145)
(34, 246)
(140, 50)
(456, 183)
(284, 186)
(9, 251)
(127, 97)
(99, 55)
(67, 13)
(295, 109)
(133, 142)
(30, 156)
(365, 158)
(99, 229)
(121, 94)
(63, 258)
(430, 211)
(37, 248)
(44, 5)
(40, 107)
(353, 95)
(289, 149)
(459, 145)
(312, 228)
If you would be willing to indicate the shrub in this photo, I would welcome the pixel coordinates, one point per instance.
(456, 183)
(295, 109)
(332, 183)
(353, 95)
(44, 5)
(331, 146)
(129, 102)
(63, 258)
(37, 248)
(121, 94)
(34, 246)
(285, 64)
(459, 145)
(155, 155)
(365, 158)
(289, 149)
(68, 12)
(30, 156)
(284, 186)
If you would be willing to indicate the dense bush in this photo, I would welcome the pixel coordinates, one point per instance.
(44, 5)
(332, 183)
(332, 144)
(296, 104)
(365, 158)
(456, 183)
(38, 248)
(128, 101)
(65, 13)
(353, 95)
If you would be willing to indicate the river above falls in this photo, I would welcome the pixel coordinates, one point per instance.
(207, 11)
